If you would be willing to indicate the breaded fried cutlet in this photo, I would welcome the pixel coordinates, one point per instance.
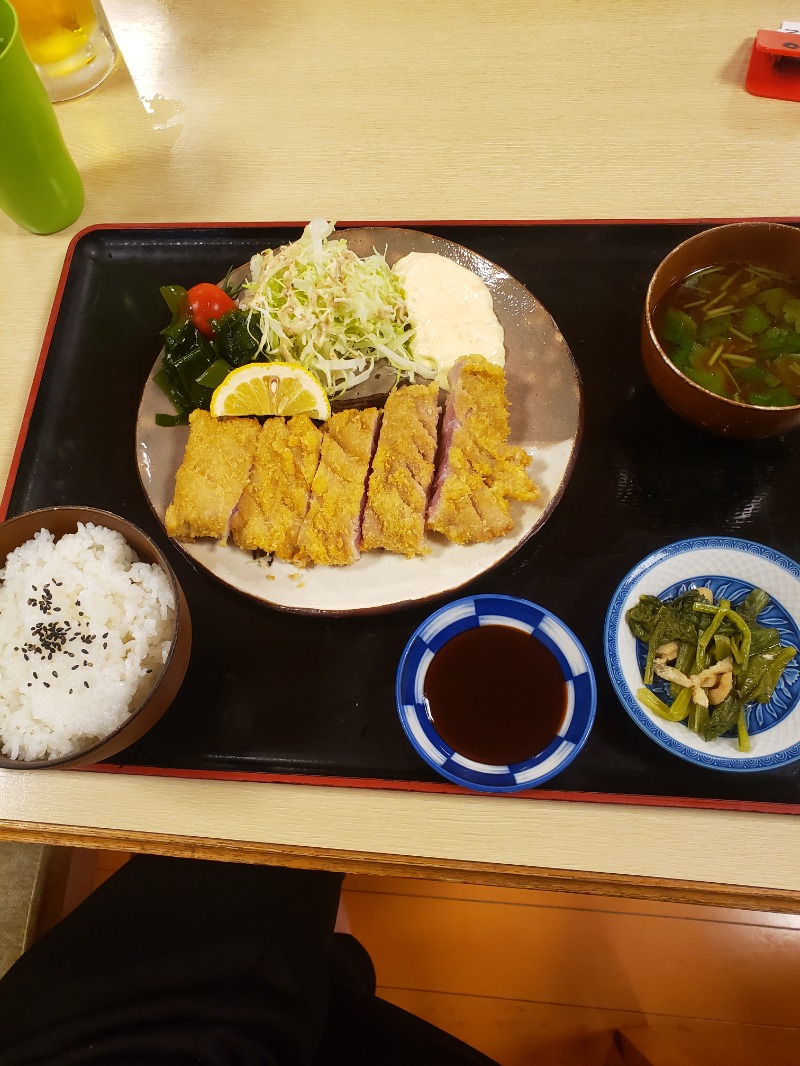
(402, 472)
(276, 497)
(209, 481)
(479, 471)
(331, 532)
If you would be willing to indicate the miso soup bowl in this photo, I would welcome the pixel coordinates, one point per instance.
(143, 716)
(770, 244)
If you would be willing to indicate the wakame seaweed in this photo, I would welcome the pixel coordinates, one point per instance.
(193, 365)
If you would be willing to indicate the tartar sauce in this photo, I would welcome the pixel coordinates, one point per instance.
(451, 311)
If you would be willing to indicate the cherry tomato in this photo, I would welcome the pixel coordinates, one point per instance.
(208, 302)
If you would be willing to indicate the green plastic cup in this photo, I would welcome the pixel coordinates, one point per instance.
(40, 187)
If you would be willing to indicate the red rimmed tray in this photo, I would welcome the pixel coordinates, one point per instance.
(325, 713)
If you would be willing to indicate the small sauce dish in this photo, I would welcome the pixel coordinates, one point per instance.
(495, 693)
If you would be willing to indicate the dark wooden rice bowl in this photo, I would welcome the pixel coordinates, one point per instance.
(62, 520)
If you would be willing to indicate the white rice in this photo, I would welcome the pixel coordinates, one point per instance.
(85, 629)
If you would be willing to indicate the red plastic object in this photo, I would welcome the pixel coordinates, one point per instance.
(775, 65)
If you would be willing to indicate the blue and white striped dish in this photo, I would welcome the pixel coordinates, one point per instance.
(730, 568)
(489, 610)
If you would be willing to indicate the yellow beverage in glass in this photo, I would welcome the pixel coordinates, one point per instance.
(54, 30)
(70, 43)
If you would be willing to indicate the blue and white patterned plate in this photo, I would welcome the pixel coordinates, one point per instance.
(468, 613)
(730, 568)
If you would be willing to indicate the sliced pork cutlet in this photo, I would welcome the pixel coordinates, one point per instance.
(402, 472)
(331, 532)
(479, 472)
(209, 481)
(276, 497)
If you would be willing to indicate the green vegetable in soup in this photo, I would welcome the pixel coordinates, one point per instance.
(776, 340)
(773, 300)
(734, 329)
(678, 326)
(754, 320)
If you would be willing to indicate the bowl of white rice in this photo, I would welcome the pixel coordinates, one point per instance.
(95, 637)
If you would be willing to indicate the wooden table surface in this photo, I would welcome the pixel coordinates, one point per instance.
(415, 111)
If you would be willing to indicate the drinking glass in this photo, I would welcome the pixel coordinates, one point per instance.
(40, 187)
(70, 43)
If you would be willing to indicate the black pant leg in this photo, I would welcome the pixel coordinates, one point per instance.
(364, 1030)
(178, 961)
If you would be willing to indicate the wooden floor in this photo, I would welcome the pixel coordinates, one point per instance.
(547, 978)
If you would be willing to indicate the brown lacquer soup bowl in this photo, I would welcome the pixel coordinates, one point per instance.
(773, 251)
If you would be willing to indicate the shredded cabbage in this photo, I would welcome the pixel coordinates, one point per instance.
(317, 303)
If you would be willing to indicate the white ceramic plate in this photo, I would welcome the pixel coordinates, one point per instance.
(730, 568)
(544, 391)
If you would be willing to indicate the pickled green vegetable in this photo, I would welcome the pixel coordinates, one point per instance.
(707, 634)
(675, 712)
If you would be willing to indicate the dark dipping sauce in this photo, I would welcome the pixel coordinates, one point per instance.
(496, 695)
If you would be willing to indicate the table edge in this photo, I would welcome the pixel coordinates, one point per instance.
(379, 864)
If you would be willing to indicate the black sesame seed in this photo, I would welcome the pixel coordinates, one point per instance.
(77, 666)
(46, 684)
(35, 675)
(86, 684)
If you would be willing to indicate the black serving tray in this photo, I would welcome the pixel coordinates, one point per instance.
(275, 695)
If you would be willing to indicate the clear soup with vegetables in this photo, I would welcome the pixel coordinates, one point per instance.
(734, 329)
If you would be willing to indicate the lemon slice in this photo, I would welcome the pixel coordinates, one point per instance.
(270, 389)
